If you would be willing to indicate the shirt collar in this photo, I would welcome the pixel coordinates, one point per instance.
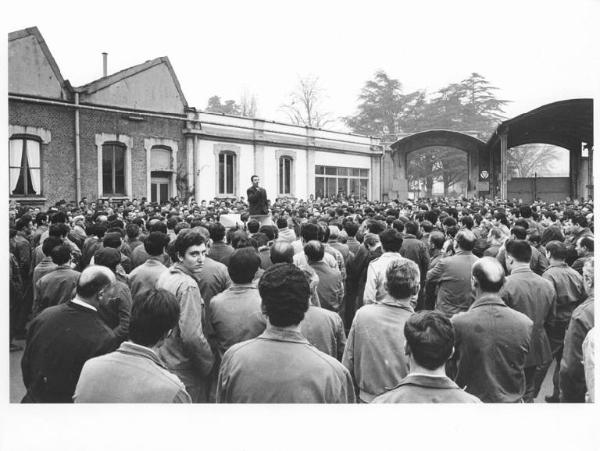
(558, 265)
(77, 300)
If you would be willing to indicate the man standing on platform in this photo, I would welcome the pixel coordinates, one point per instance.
(258, 205)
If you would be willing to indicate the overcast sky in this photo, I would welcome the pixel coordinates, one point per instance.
(536, 52)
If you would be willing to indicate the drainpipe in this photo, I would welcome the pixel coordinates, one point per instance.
(77, 151)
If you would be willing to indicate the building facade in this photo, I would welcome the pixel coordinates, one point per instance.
(132, 135)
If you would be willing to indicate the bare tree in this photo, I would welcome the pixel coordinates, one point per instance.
(248, 106)
(528, 159)
(304, 106)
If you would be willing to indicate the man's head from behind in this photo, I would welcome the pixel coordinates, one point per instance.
(391, 240)
(155, 243)
(429, 339)
(243, 265)
(153, 315)
(282, 252)
(314, 251)
(94, 282)
(518, 251)
(402, 279)
(465, 239)
(487, 275)
(285, 292)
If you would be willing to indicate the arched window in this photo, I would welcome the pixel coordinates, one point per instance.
(227, 171)
(113, 169)
(285, 175)
(24, 169)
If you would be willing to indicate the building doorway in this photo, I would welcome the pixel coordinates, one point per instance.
(160, 187)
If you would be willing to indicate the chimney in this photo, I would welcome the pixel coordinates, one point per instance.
(104, 64)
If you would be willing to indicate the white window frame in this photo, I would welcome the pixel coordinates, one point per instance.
(127, 141)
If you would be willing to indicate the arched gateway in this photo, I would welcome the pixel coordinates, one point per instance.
(395, 161)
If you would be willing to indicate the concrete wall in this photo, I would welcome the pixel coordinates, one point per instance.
(29, 71)
(150, 90)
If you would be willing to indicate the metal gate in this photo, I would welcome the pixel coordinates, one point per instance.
(549, 189)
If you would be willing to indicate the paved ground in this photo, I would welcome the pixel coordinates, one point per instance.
(17, 390)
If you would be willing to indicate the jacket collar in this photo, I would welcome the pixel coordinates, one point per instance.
(282, 334)
(459, 251)
(423, 380)
(488, 299)
(403, 304)
(521, 269)
(243, 286)
(131, 348)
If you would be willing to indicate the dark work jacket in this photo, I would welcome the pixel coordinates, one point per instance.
(59, 341)
(534, 296)
(415, 250)
(257, 201)
(492, 342)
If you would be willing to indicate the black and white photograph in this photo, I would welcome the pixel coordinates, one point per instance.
(308, 208)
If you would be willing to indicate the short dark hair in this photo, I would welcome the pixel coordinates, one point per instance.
(467, 221)
(403, 279)
(132, 230)
(187, 240)
(314, 251)
(557, 250)
(285, 292)
(489, 274)
(520, 250)
(270, 231)
(282, 223)
(217, 231)
(411, 228)
(580, 220)
(153, 314)
(50, 243)
(519, 232)
(525, 211)
(552, 233)
(60, 229)
(427, 226)
(430, 337)
(466, 240)
(112, 239)
(157, 226)
(391, 240)
(60, 254)
(155, 243)
(253, 226)
(243, 264)
(351, 228)
(376, 226)
(282, 252)
(310, 232)
(587, 242)
(437, 239)
(252, 178)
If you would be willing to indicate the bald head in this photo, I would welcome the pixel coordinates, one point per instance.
(465, 240)
(488, 274)
(94, 279)
(282, 252)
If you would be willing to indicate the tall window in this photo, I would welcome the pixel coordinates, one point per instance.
(285, 175)
(24, 169)
(113, 169)
(331, 181)
(226, 173)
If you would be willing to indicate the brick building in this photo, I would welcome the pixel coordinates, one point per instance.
(132, 134)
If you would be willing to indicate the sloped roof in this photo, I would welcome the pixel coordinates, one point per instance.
(429, 138)
(104, 82)
(34, 31)
(565, 123)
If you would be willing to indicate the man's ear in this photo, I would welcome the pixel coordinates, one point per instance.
(407, 350)
(452, 353)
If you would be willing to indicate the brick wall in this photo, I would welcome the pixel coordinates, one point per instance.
(58, 158)
(97, 122)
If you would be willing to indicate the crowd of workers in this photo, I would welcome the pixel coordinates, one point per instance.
(319, 301)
